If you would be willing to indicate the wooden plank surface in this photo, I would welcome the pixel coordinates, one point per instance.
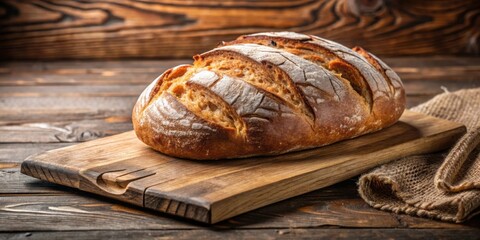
(123, 168)
(334, 206)
(61, 29)
(276, 233)
(313, 214)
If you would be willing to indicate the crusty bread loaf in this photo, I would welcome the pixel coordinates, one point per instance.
(265, 94)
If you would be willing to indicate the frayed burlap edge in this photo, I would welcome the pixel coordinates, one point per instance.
(462, 207)
(449, 170)
(402, 206)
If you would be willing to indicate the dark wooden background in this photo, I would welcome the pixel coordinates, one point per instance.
(111, 29)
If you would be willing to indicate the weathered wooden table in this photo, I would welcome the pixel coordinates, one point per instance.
(54, 104)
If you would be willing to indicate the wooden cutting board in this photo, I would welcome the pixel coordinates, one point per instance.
(123, 168)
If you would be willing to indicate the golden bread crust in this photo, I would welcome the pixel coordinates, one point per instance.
(267, 94)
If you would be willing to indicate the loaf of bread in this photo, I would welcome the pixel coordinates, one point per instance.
(267, 94)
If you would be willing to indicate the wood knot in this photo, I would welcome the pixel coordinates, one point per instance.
(74, 134)
(364, 7)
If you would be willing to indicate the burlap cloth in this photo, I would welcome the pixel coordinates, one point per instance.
(444, 186)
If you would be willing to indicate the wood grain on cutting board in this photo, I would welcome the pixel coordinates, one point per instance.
(123, 168)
